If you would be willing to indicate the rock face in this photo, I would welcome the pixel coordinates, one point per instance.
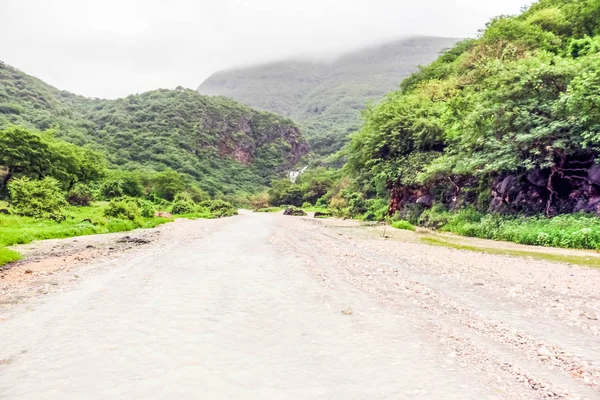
(426, 201)
(573, 187)
(570, 187)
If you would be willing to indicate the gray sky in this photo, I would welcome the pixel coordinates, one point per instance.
(112, 48)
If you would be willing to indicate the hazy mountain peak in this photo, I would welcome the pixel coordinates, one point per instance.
(325, 96)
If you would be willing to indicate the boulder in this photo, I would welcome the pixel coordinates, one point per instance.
(506, 184)
(594, 174)
(162, 214)
(537, 177)
(322, 214)
(426, 201)
(293, 211)
(593, 205)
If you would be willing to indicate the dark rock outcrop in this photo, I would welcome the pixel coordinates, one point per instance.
(322, 214)
(293, 211)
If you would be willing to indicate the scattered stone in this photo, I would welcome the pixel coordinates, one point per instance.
(28, 271)
(163, 214)
(544, 352)
(347, 311)
(129, 239)
(4, 211)
(591, 315)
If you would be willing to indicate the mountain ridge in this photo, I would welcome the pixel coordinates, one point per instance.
(223, 144)
(326, 97)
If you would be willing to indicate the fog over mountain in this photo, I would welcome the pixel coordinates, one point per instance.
(117, 47)
(325, 97)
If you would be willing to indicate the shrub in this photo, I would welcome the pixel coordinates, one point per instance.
(377, 210)
(338, 204)
(197, 195)
(183, 206)
(306, 204)
(123, 208)
(120, 184)
(39, 199)
(147, 208)
(80, 195)
(219, 208)
(434, 218)
(321, 202)
(259, 201)
(168, 184)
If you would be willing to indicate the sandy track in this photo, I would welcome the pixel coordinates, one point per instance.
(267, 306)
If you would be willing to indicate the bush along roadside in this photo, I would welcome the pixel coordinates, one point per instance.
(38, 210)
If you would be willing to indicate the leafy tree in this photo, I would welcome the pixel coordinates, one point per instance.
(38, 155)
(167, 184)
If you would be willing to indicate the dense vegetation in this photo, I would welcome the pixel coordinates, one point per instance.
(498, 138)
(507, 123)
(51, 188)
(224, 146)
(325, 98)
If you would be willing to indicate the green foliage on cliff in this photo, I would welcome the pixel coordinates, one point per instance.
(223, 145)
(523, 96)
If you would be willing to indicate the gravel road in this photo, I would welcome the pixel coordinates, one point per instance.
(264, 306)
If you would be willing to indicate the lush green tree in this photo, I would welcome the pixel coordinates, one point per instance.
(167, 184)
(41, 154)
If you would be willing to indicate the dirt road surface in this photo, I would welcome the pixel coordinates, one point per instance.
(265, 306)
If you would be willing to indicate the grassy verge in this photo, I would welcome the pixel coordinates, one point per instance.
(579, 260)
(80, 221)
(8, 255)
(576, 231)
(405, 225)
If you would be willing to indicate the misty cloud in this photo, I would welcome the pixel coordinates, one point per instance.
(117, 47)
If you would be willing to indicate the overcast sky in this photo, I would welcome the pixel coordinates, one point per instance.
(112, 48)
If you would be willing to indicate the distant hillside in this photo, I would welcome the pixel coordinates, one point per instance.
(224, 145)
(326, 98)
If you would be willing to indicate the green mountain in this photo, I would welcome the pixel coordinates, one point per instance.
(224, 145)
(326, 98)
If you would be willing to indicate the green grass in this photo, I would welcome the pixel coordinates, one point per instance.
(579, 260)
(576, 231)
(80, 221)
(8, 255)
(405, 225)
